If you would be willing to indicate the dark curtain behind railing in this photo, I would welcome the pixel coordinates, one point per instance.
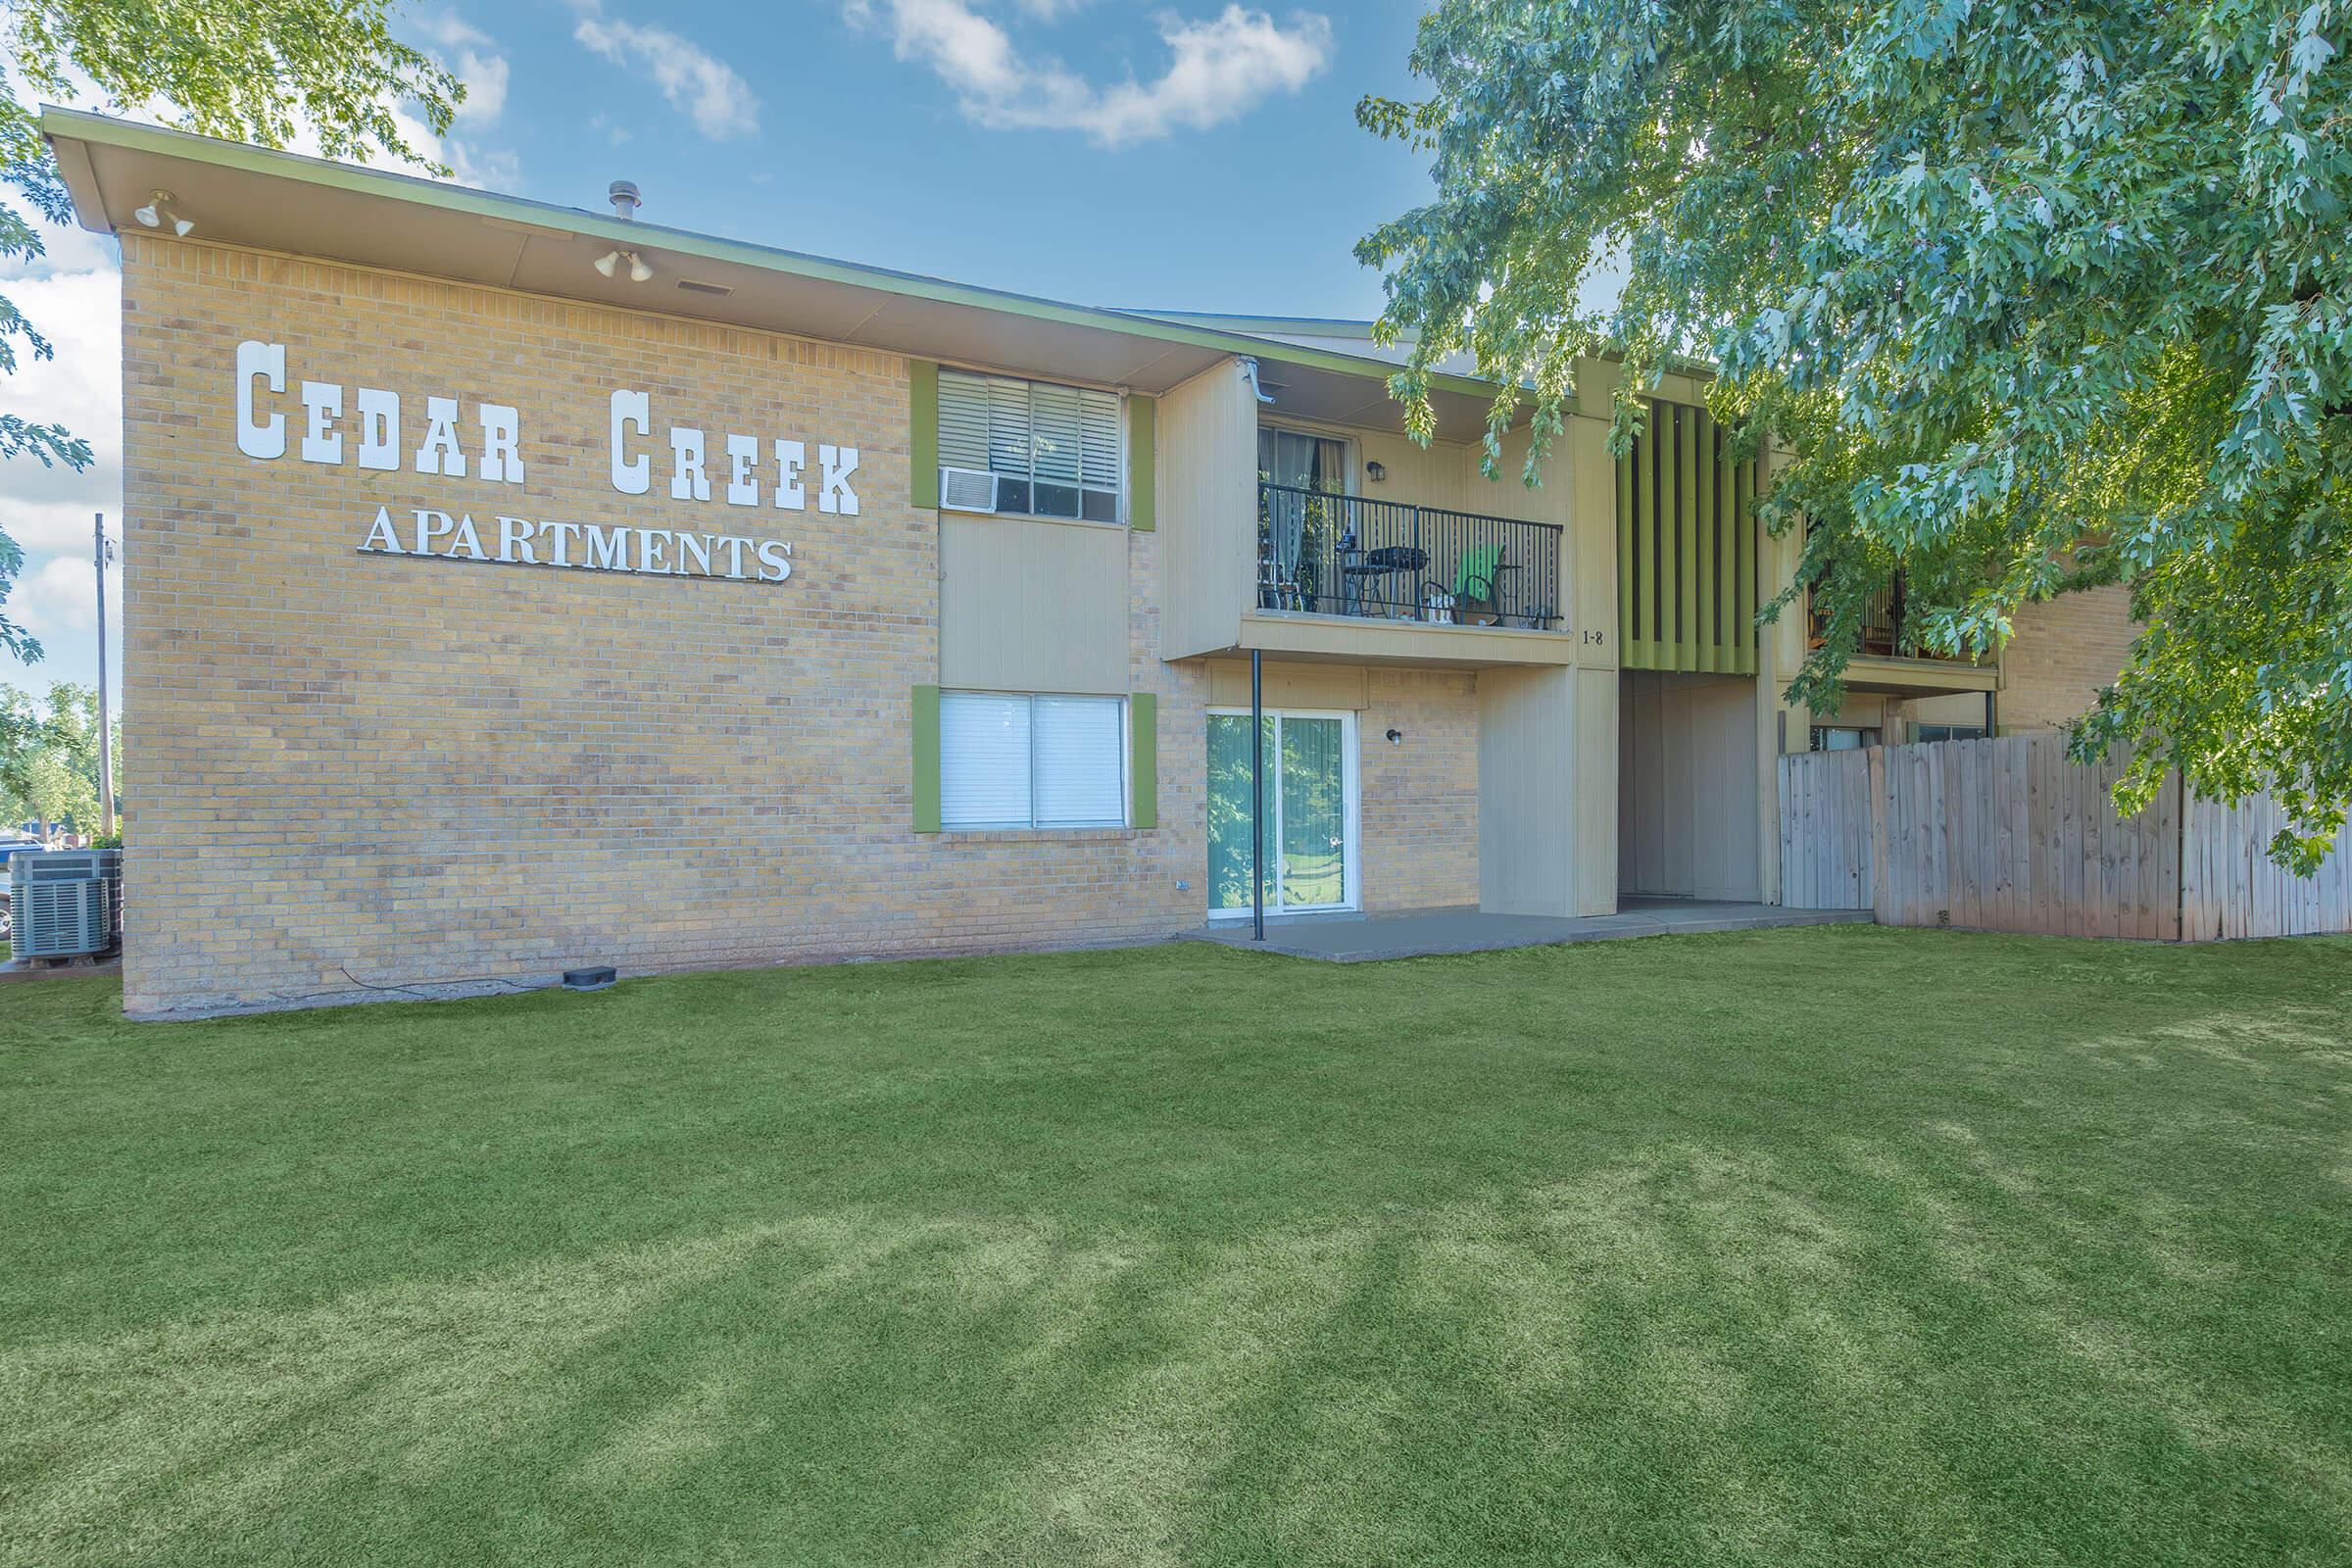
(1338, 555)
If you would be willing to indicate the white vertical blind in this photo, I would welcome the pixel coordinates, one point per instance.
(1081, 750)
(983, 760)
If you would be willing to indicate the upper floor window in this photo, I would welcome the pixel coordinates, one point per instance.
(1301, 460)
(1054, 450)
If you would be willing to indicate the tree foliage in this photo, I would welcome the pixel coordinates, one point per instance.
(258, 70)
(49, 759)
(2042, 296)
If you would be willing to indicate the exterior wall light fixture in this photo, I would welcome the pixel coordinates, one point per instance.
(1376, 471)
(609, 263)
(159, 211)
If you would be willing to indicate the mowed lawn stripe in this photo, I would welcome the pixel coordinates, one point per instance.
(1838, 1245)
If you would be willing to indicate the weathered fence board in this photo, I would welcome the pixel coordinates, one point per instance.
(2008, 834)
(2231, 886)
(1826, 830)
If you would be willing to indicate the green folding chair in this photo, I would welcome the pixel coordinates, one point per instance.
(1474, 574)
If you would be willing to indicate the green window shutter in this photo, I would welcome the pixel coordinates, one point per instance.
(926, 758)
(1142, 759)
(1142, 462)
(922, 435)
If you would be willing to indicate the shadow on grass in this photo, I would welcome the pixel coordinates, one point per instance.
(1187, 1257)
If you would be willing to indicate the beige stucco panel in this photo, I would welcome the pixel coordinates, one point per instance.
(1207, 510)
(1032, 607)
(1286, 685)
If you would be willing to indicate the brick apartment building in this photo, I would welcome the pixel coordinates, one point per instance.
(511, 586)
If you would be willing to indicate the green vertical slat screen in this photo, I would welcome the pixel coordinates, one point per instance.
(1142, 759)
(1648, 537)
(1685, 551)
(1705, 631)
(1625, 554)
(922, 433)
(926, 758)
(1687, 593)
(1143, 462)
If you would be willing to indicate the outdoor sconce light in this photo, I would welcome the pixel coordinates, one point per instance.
(609, 263)
(1376, 472)
(158, 211)
(1396, 737)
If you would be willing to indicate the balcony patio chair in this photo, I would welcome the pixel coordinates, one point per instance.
(1477, 598)
(1276, 589)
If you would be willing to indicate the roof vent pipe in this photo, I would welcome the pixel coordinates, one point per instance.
(625, 200)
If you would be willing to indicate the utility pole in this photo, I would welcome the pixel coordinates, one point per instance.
(102, 552)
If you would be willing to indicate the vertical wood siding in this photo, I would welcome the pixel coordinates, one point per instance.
(1686, 546)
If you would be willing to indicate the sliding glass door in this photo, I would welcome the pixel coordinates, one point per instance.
(1310, 812)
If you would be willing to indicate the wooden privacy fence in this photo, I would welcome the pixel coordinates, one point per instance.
(2008, 834)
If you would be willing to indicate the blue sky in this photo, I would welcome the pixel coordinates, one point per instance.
(1193, 155)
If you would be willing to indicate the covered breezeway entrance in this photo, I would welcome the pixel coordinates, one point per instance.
(1688, 824)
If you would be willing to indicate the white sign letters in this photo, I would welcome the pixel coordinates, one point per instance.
(521, 541)
(332, 426)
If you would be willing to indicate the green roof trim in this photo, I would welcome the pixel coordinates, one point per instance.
(76, 125)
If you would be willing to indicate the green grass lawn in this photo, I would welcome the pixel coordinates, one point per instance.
(1830, 1245)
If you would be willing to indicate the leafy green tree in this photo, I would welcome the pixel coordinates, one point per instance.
(258, 70)
(2042, 295)
(49, 759)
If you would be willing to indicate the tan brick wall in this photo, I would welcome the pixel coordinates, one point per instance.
(2064, 651)
(348, 769)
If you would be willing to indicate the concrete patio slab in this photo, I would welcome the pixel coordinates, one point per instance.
(1419, 933)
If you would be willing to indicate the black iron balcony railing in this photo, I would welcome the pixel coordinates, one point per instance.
(1337, 555)
(1882, 626)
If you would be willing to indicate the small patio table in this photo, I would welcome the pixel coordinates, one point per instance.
(1367, 576)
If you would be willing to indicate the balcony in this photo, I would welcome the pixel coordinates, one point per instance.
(1890, 663)
(1325, 554)
(1882, 627)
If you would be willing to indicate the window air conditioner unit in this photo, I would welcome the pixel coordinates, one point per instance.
(63, 901)
(967, 490)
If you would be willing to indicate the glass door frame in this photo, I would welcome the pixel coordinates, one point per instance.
(1351, 885)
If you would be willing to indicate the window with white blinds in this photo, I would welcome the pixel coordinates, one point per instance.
(1031, 762)
(1055, 449)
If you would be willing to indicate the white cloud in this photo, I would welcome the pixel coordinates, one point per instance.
(488, 168)
(474, 54)
(68, 249)
(721, 102)
(48, 511)
(58, 597)
(1220, 67)
(80, 388)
